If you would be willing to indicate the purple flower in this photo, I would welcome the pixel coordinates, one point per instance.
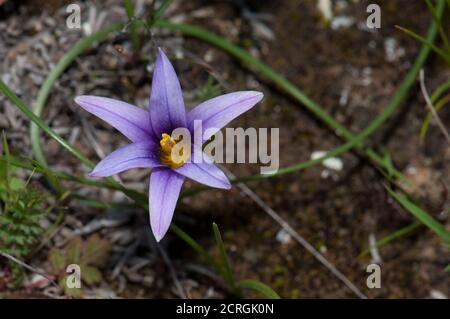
(153, 144)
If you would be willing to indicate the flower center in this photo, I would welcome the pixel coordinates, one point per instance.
(173, 152)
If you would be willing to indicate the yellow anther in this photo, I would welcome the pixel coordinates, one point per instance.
(172, 155)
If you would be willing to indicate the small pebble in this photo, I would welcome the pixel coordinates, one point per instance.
(283, 237)
(393, 50)
(332, 163)
(341, 22)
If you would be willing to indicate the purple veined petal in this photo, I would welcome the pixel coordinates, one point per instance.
(205, 172)
(165, 186)
(130, 120)
(167, 110)
(134, 155)
(219, 111)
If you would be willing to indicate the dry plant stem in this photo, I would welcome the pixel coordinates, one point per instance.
(172, 270)
(128, 253)
(302, 241)
(430, 106)
(89, 131)
(30, 268)
(90, 135)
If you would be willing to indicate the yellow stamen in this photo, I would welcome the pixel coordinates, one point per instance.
(173, 158)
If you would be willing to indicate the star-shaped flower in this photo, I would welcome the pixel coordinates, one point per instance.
(153, 144)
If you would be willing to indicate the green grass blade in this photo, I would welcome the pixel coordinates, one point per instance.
(52, 77)
(160, 11)
(289, 169)
(434, 97)
(143, 202)
(37, 167)
(421, 215)
(92, 202)
(227, 271)
(433, 47)
(426, 123)
(129, 9)
(5, 171)
(419, 61)
(259, 287)
(249, 60)
(195, 246)
(294, 87)
(292, 90)
(439, 23)
(393, 236)
(440, 90)
(62, 65)
(36, 120)
(289, 88)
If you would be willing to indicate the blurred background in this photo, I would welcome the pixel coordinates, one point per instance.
(331, 213)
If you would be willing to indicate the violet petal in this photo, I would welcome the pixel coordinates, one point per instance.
(139, 154)
(167, 110)
(219, 111)
(165, 186)
(130, 120)
(204, 172)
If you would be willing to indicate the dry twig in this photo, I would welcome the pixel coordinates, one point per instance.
(302, 241)
(431, 107)
(30, 268)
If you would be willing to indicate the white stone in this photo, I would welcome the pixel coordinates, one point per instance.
(341, 22)
(332, 163)
(283, 237)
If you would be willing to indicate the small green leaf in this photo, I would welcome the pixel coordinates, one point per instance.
(96, 251)
(73, 251)
(57, 260)
(16, 184)
(19, 239)
(89, 254)
(258, 286)
(90, 275)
